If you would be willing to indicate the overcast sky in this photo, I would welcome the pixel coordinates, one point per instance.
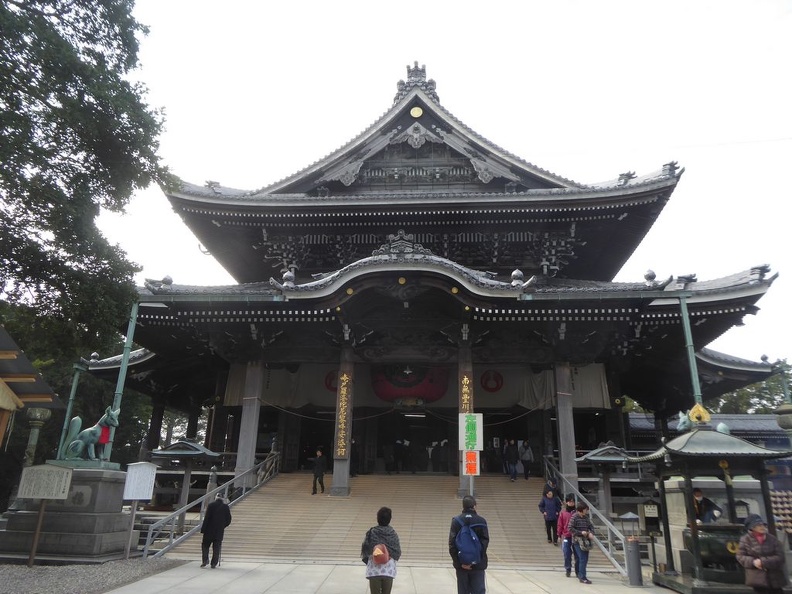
(255, 91)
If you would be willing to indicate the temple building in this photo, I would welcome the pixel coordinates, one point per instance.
(418, 272)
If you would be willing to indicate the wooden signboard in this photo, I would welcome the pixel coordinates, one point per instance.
(43, 482)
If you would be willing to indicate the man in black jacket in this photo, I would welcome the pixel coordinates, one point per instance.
(217, 518)
(470, 578)
(320, 467)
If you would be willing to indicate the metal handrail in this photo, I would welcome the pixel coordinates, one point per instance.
(614, 537)
(234, 491)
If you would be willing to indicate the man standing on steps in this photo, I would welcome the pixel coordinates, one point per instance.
(320, 466)
(217, 518)
(470, 576)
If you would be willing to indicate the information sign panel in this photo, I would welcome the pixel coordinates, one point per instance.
(45, 481)
(139, 485)
(471, 466)
(471, 431)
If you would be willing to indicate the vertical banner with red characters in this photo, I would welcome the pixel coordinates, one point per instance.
(470, 466)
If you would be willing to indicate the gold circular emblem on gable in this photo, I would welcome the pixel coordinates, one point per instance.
(416, 112)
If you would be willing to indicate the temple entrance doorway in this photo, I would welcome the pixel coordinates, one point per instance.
(416, 441)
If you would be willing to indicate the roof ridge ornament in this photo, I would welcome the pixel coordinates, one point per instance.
(416, 77)
(401, 244)
(671, 168)
(158, 287)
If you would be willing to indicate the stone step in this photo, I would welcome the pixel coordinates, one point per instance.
(283, 521)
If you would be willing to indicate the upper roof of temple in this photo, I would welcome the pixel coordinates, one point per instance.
(420, 168)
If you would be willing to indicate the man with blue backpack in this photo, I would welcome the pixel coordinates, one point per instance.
(467, 544)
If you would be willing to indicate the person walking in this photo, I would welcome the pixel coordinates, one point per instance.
(526, 457)
(582, 531)
(512, 456)
(381, 568)
(550, 506)
(319, 469)
(566, 536)
(550, 485)
(216, 520)
(470, 576)
(762, 556)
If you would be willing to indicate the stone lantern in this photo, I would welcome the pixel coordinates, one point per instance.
(36, 417)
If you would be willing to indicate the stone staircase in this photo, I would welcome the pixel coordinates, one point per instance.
(282, 521)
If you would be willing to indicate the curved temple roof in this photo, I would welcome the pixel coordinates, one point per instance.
(703, 442)
(420, 168)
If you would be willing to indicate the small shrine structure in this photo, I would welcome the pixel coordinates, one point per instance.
(699, 557)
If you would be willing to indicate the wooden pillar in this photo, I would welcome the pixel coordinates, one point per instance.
(289, 428)
(155, 426)
(192, 422)
(248, 430)
(5, 417)
(218, 427)
(343, 427)
(768, 503)
(466, 403)
(666, 528)
(368, 461)
(566, 425)
(698, 566)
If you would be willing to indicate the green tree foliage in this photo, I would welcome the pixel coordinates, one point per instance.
(763, 397)
(75, 136)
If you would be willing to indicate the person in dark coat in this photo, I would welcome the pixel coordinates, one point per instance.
(526, 457)
(320, 467)
(762, 556)
(550, 506)
(550, 485)
(512, 456)
(706, 510)
(470, 578)
(216, 520)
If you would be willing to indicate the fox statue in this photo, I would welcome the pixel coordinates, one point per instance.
(684, 424)
(82, 444)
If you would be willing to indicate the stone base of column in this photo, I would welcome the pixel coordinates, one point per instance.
(339, 491)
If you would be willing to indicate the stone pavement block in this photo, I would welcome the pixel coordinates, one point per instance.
(305, 578)
(431, 580)
(346, 578)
